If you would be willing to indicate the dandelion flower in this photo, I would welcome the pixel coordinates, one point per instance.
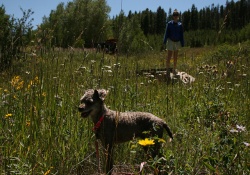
(8, 115)
(146, 142)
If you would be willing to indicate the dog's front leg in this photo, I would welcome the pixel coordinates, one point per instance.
(109, 158)
(98, 156)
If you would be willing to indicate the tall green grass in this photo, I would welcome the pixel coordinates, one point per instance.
(42, 132)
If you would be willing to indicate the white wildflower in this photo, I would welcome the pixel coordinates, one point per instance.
(234, 131)
(240, 128)
(246, 144)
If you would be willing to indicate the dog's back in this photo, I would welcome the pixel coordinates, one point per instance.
(129, 125)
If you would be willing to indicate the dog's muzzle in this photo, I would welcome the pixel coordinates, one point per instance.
(84, 112)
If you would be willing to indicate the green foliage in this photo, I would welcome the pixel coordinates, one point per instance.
(244, 33)
(131, 38)
(15, 35)
(78, 22)
(5, 39)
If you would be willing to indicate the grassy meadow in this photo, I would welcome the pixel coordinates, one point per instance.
(41, 131)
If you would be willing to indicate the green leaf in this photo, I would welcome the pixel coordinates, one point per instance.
(209, 166)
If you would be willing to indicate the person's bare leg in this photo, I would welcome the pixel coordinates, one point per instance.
(175, 59)
(170, 52)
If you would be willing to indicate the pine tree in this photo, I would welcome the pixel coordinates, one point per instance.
(194, 18)
(160, 21)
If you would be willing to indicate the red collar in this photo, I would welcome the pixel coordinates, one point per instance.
(97, 125)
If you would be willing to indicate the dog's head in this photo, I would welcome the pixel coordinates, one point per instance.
(91, 102)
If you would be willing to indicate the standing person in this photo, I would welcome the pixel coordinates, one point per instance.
(174, 39)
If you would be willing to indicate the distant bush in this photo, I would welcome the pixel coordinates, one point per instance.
(245, 33)
(15, 35)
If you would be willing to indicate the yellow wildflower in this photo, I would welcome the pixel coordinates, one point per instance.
(36, 79)
(33, 82)
(146, 142)
(28, 123)
(20, 85)
(8, 115)
(29, 84)
(48, 171)
(17, 82)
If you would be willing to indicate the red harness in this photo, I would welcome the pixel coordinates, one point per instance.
(97, 125)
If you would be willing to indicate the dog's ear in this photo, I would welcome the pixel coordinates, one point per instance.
(103, 93)
(96, 95)
(100, 93)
